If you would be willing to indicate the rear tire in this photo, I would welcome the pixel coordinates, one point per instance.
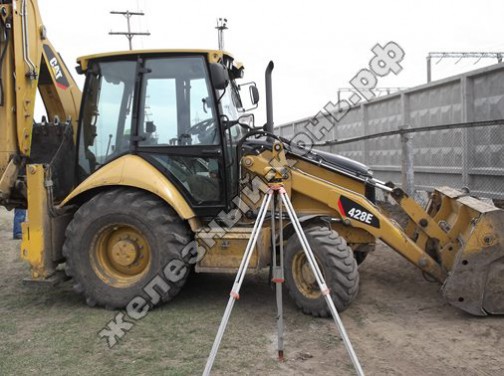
(337, 263)
(119, 241)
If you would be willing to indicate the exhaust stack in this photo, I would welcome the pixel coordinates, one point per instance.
(269, 99)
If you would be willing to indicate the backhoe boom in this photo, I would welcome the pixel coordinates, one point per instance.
(28, 62)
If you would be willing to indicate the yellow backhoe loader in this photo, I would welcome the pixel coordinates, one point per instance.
(158, 171)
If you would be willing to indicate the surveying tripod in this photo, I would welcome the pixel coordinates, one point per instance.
(276, 176)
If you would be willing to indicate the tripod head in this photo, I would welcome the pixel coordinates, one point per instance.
(277, 171)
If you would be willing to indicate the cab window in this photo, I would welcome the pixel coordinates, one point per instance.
(107, 112)
(176, 104)
(178, 128)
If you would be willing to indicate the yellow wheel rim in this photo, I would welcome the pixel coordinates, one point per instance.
(120, 255)
(303, 276)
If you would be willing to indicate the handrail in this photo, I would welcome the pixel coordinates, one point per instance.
(405, 130)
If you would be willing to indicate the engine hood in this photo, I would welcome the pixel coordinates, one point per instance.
(335, 161)
(344, 163)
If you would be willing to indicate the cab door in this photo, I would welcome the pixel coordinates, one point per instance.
(178, 130)
(232, 135)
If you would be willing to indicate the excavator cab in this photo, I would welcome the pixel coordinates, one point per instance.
(167, 108)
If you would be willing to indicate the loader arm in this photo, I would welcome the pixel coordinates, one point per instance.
(28, 63)
(457, 240)
(342, 200)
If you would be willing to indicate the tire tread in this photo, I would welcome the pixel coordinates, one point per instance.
(339, 263)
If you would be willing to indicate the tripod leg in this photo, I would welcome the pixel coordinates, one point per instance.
(278, 277)
(321, 282)
(235, 291)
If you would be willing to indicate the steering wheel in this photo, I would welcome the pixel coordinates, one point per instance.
(205, 130)
(201, 127)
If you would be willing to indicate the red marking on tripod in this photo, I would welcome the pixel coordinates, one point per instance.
(278, 187)
(278, 280)
(235, 295)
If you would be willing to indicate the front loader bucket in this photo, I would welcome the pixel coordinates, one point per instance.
(475, 281)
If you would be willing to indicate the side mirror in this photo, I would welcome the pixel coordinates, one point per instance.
(254, 94)
(220, 76)
(247, 121)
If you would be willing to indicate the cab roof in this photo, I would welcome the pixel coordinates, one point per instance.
(213, 56)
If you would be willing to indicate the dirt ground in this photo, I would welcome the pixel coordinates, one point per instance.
(399, 325)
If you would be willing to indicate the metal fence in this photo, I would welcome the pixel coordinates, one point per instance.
(470, 153)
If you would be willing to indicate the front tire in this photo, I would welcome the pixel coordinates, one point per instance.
(337, 263)
(119, 241)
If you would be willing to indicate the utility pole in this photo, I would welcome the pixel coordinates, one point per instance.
(129, 34)
(221, 26)
(460, 56)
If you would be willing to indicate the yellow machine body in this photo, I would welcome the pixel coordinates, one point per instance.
(458, 240)
(133, 171)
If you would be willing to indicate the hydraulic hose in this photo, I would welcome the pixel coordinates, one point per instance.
(6, 31)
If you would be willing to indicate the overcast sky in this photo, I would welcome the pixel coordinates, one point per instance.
(317, 46)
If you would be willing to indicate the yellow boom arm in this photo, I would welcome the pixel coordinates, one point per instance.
(28, 62)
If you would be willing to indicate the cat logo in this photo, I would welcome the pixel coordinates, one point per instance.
(57, 71)
(56, 68)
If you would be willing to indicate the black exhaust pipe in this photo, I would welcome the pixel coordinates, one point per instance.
(269, 99)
